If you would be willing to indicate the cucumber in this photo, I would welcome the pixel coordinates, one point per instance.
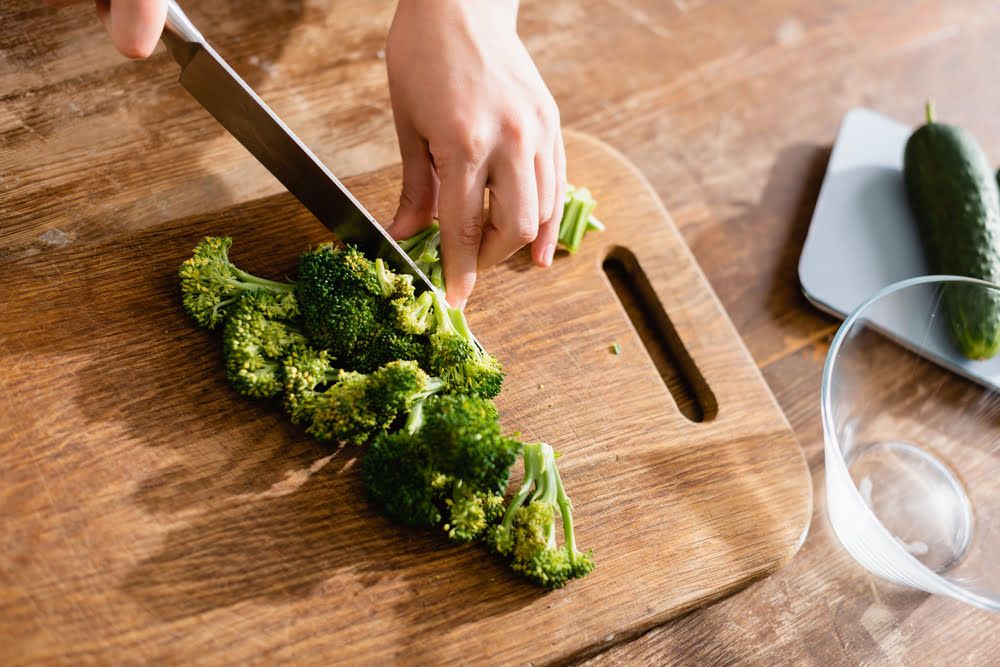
(956, 200)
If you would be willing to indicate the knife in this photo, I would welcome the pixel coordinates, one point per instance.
(217, 87)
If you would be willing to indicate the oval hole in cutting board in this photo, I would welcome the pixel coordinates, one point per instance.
(693, 396)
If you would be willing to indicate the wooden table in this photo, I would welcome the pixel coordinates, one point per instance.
(728, 107)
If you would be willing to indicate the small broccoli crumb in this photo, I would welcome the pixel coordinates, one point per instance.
(616, 349)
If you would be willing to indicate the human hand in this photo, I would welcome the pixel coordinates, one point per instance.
(472, 113)
(134, 25)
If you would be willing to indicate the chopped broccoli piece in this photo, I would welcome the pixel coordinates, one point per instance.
(577, 219)
(256, 337)
(346, 406)
(413, 316)
(450, 463)
(210, 283)
(359, 310)
(456, 357)
(527, 534)
(470, 512)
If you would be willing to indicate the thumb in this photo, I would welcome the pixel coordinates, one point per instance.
(418, 198)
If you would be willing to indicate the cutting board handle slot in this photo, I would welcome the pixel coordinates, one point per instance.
(687, 386)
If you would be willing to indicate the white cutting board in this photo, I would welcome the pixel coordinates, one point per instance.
(863, 237)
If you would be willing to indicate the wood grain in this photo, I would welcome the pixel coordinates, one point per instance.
(175, 505)
(729, 109)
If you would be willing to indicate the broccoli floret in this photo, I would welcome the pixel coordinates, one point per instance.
(357, 309)
(390, 344)
(347, 406)
(447, 467)
(413, 316)
(527, 535)
(303, 370)
(470, 512)
(464, 432)
(456, 357)
(256, 337)
(401, 480)
(210, 283)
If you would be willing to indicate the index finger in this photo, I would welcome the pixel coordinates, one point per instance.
(460, 210)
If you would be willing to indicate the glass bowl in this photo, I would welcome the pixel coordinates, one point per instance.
(912, 450)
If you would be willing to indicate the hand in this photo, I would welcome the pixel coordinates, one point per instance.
(473, 113)
(134, 25)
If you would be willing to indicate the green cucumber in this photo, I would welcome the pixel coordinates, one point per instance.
(956, 199)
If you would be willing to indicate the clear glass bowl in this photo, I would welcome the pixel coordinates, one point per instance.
(913, 450)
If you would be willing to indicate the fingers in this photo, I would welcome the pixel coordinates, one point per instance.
(550, 169)
(460, 206)
(134, 25)
(418, 198)
(513, 211)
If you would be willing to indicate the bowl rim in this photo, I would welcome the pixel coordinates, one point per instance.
(836, 457)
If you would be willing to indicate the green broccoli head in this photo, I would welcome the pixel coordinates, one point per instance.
(303, 370)
(455, 357)
(359, 310)
(389, 344)
(527, 535)
(447, 468)
(254, 344)
(400, 479)
(471, 512)
(464, 432)
(412, 316)
(354, 406)
(211, 284)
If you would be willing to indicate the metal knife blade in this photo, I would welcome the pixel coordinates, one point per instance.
(217, 87)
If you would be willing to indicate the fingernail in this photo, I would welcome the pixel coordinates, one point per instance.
(458, 303)
(550, 250)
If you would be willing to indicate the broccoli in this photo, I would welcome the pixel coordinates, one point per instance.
(527, 534)
(422, 248)
(210, 283)
(353, 351)
(256, 337)
(359, 310)
(347, 406)
(456, 357)
(448, 467)
(577, 219)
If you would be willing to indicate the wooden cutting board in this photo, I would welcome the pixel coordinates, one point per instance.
(149, 514)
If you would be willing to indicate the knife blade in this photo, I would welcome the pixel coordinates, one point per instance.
(225, 95)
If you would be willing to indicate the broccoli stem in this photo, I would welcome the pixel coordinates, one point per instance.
(566, 509)
(248, 281)
(442, 314)
(385, 278)
(415, 420)
(534, 461)
(415, 240)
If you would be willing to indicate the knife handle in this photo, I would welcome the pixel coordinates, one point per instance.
(179, 25)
